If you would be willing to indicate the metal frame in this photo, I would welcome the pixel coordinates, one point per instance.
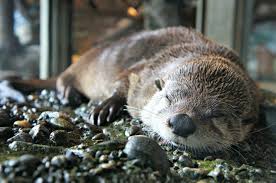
(226, 21)
(55, 36)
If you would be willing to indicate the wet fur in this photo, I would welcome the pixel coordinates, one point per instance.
(200, 77)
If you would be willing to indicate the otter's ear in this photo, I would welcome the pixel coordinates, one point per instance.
(159, 83)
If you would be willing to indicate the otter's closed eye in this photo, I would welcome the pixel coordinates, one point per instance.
(214, 115)
(159, 83)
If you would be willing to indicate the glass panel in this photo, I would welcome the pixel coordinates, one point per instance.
(107, 20)
(262, 44)
(19, 37)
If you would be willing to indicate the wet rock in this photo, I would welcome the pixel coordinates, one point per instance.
(99, 136)
(22, 124)
(194, 173)
(89, 129)
(103, 158)
(110, 145)
(113, 155)
(21, 136)
(19, 146)
(40, 134)
(148, 151)
(217, 173)
(5, 133)
(110, 165)
(29, 161)
(185, 161)
(4, 119)
(61, 123)
(209, 158)
(133, 130)
(59, 161)
(63, 138)
(59, 137)
(57, 120)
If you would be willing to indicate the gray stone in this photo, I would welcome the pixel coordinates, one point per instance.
(40, 134)
(5, 133)
(21, 136)
(148, 151)
(19, 146)
(4, 118)
(57, 120)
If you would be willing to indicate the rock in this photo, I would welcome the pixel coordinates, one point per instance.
(4, 119)
(194, 173)
(59, 137)
(217, 173)
(57, 120)
(110, 145)
(99, 136)
(29, 161)
(103, 158)
(21, 136)
(148, 151)
(5, 133)
(40, 134)
(110, 165)
(185, 161)
(63, 138)
(22, 124)
(59, 161)
(19, 146)
(113, 155)
(133, 130)
(61, 123)
(209, 158)
(89, 129)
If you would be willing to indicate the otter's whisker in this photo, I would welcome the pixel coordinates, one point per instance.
(139, 110)
(262, 129)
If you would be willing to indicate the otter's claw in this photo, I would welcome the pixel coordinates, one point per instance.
(108, 111)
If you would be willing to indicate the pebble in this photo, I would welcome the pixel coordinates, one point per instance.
(185, 161)
(148, 151)
(4, 118)
(110, 165)
(59, 138)
(59, 161)
(21, 136)
(5, 133)
(103, 158)
(19, 146)
(57, 120)
(22, 124)
(194, 173)
(29, 162)
(99, 136)
(40, 134)
(133, 130)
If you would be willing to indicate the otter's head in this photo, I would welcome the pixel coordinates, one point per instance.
(207, 104)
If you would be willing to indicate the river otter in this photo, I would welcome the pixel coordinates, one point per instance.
(186, 88)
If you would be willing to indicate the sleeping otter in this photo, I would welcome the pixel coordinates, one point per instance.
(186, 88)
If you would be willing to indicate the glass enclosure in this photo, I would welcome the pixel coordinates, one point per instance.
(262, 44)
(19, 37)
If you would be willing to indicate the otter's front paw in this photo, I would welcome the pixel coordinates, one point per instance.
(108, 111)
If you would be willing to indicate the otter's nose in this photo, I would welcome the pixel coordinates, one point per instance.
(182, 125)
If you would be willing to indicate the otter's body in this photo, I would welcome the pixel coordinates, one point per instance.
(189, 90)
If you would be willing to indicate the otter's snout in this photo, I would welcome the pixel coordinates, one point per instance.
(182, 125)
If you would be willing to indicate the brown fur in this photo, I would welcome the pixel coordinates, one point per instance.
(199, 77)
